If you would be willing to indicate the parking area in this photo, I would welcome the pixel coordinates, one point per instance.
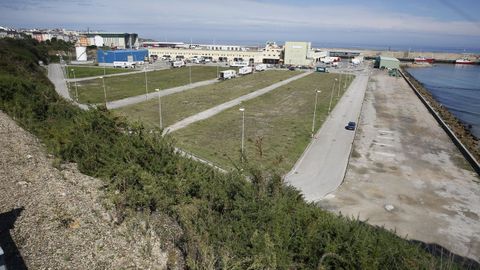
(407, 175)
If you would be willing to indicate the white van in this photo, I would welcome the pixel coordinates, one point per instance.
(260, 67)
(245, 70)
(227, 74)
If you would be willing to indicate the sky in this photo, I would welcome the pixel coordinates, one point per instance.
(368, 23)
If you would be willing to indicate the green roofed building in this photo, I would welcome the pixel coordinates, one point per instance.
(387, 62)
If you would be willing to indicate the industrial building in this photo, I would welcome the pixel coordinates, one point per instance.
(112, 40)
(387, 62)
(271, 53)
(106, 58)
(298, 53)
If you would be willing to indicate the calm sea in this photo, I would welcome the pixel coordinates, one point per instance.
(456, 87)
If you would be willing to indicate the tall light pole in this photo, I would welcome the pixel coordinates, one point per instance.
(76, 87)
(159, 109)
(339, 86)
(146, 83)
(104, 90)
(331, 97)
(243, 130)
(315, 111)
(190, 72)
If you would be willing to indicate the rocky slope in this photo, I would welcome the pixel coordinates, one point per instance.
(54, 217)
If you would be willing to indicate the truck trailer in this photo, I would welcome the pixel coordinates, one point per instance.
(227, 74)
(245, 70)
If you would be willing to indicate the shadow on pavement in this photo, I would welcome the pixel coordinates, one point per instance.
(13, 258)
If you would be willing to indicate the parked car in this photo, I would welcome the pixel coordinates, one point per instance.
(351, 126)
(292, 68)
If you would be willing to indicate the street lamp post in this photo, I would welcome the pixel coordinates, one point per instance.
(315, 111)
(104, 90)
(331, 97)
(146, 83)
(339, 86)
(190, 72)
(243, 130)
(76, 87)
(159, 109)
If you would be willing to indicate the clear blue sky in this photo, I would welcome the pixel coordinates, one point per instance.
(407, 23)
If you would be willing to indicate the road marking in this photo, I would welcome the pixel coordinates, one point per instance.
(385, 154)
(383, 132)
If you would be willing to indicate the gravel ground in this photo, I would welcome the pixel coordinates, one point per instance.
(407, 175)
(58, 219)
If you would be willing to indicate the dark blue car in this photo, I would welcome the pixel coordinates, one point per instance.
(351, 126)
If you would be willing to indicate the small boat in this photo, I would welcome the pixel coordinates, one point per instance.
(464, 61)
(423, 60)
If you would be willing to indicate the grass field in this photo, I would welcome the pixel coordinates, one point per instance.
(91, 91)
(277, 126)
(83, 72)
(178, 106)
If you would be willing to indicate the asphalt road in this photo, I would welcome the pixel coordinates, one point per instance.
(234, 102)
(321, 168)
(56, 76)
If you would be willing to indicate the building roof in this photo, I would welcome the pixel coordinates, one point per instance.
(389, 58)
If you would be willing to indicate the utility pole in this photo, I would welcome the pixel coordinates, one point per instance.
(159, 109)
(243, 132)
(146, 83)
(315, 111)
(104, 90)
(331, 97)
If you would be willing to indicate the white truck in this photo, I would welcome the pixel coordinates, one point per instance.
(177, 64)
(122, 64)
(245, 70)
(227, 74)
(260, 67)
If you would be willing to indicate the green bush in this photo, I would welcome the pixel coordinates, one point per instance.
(228, 222)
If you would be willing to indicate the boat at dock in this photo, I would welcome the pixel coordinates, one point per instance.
(464, 61)
(423, 60)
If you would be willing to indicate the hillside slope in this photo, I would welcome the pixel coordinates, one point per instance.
(57, 219)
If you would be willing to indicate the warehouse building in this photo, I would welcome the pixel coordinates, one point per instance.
(106, 58)
(298, 53)
(387, 62)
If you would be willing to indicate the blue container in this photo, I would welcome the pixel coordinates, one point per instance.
(121, 55)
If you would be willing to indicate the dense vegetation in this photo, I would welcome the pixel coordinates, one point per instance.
(228, 222)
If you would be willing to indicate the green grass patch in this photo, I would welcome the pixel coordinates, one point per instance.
(119, 87)
(181, 105)
(277, 125)
(83, 72)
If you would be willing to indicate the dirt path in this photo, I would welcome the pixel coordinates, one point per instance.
(234, 102)
(406, 174)
(55, 218)
(165, 92)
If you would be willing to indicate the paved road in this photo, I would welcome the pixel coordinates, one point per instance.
(140, 98)
(56, 76)
(321, 168)
(217, 109)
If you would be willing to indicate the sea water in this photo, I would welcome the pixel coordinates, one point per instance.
(457, 88)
